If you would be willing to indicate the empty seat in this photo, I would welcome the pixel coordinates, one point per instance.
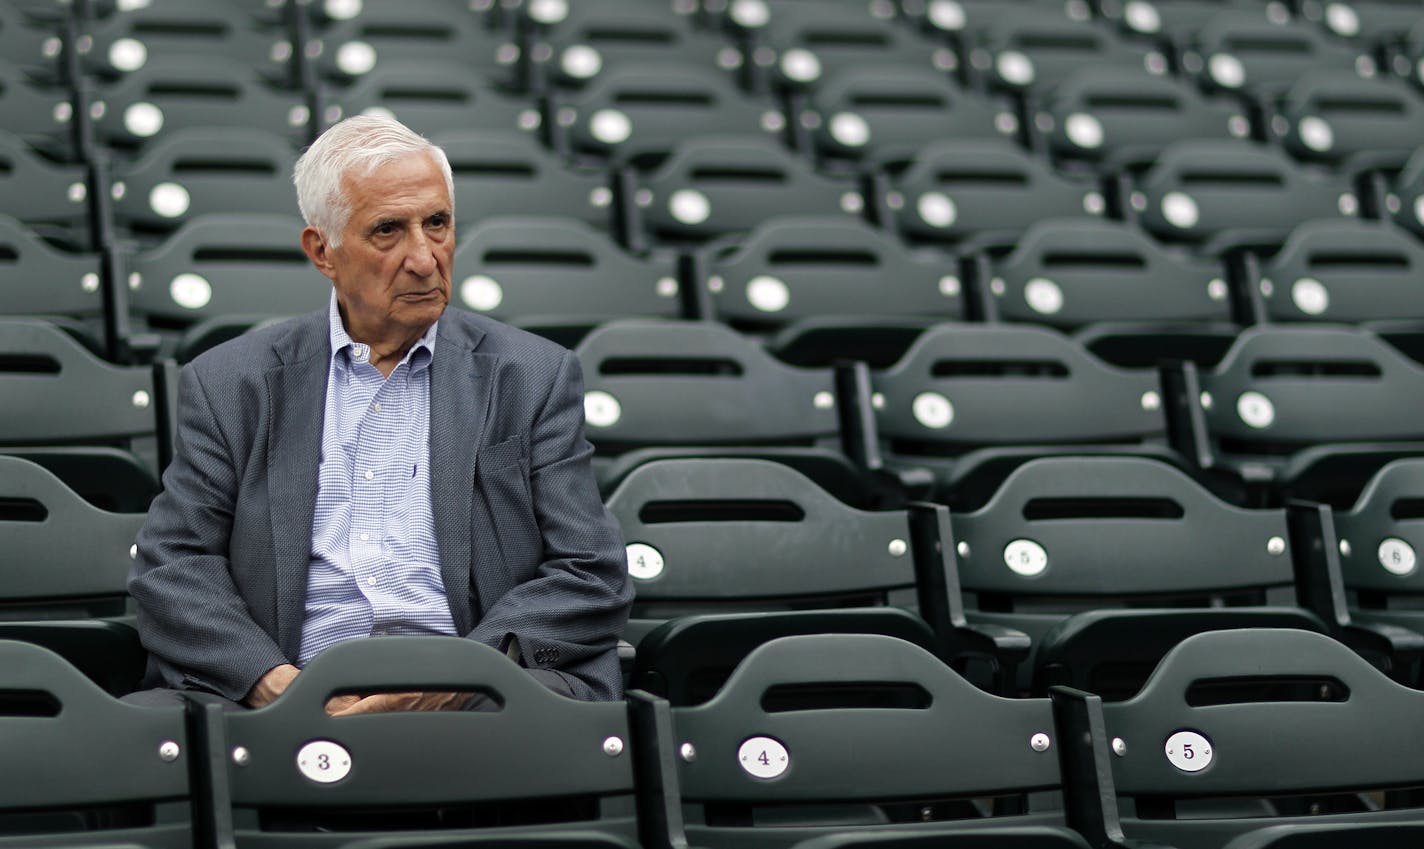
(236, 267)
(1404, 202)
(986, 192)
(65, 575)
(201, 171)
(876, 114)
(32, 44)
(1175, 23)
(713, 186)
(168, 94)
(1073, 272)
(37, 279)
(1247, 53)
(557, 272)
(1221, 698)
(413, 32)
(766, 762)
(505, 173)
(534, 769)
(431, 97)
(644, 110)
(41, 192)
(39, 114)
(131, 788)
(127, 39)
(1344, 271)
(965, 400)
(1368, 23)
(1030, 53)
(1063, 535)
(1114, 117)
(790, 269)
(1225, 193)
(1338, 118)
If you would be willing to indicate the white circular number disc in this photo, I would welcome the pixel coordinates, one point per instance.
(1189, 751)
(644, 561)
(1397, 556)
(601, 409)
(323, 761)
(763, 757)
(1025, 557)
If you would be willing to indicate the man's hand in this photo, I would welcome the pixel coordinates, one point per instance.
(395, 702)
(272, 684)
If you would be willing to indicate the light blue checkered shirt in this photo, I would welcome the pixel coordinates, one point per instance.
(375, 565)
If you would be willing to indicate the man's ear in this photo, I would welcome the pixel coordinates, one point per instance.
(315, 246)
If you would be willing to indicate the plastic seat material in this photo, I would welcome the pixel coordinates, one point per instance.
(773, 749)
(1225, 697)
(1112, 117)
(639, 113)
(1220, 195)
(414, 32)
(982, 193)
(37, 279)
(30, 43)
(1367, 23)
(172, 93)
(555, 271)
(969, 399)
(1176, 23)
(962, 21)
(432, 96)
(1025, 55)
(1248, 54)
(552, 771)
(725, 534)
(1341, 119)
(130, 788)
(225, 265)
(1344, 271)
(714, 186)
(805, 267)
(590, 39)
(202, 171)
(39, 191)
(125, 40)
(1068, 273)
(503, 173)
(37, 112)
(875, 113)
(1404, 200)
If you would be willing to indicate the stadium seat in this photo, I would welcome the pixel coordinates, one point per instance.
(169, 94)
(1221, 699)
(1404, 201)
(967, 402)
(982, 192)
(796, 268)
(506, 174)
(31, 44)
(1026, 54)
(1224, 194)
(37, 279)
(1344, 271)
(860, 740)
(203, 171)
(235, 269)
(714, 186)
(1246, 53)
(1175, 23)
(536, 769)
(1338, 118)
(40, 192)
(639, 112)
(1068, 273)
(431, 97)
(37, 113)
(875, 114)
(125, 780)
(420, 32)
(127, 39)
(1367, 23)
(560, 273)
(1112, 117)
(65, 574)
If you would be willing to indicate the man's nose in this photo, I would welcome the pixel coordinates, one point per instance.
(420, 259)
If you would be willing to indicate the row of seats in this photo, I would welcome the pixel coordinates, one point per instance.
(817, 741)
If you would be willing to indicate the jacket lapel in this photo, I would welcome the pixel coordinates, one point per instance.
(460, 391)
(298, 392)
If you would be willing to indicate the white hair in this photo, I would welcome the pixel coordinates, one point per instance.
(357, 145)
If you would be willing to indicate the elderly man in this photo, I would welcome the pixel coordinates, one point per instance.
(384, 467)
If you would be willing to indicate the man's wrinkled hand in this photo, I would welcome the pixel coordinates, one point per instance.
(336, 704)
(399, 702)
(272, 684)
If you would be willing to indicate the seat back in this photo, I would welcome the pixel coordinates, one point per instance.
(431, 96)
(37, 279)
(1344, 271)
(504, 173)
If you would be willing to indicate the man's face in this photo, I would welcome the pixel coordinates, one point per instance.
(392, 270)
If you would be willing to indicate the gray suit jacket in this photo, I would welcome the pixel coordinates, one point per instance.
(527, 549)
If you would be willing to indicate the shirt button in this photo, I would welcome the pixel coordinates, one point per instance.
(371, 580)
(365, 537)
(378, 406)
(370, 474)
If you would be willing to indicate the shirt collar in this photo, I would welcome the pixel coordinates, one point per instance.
(342, 341)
